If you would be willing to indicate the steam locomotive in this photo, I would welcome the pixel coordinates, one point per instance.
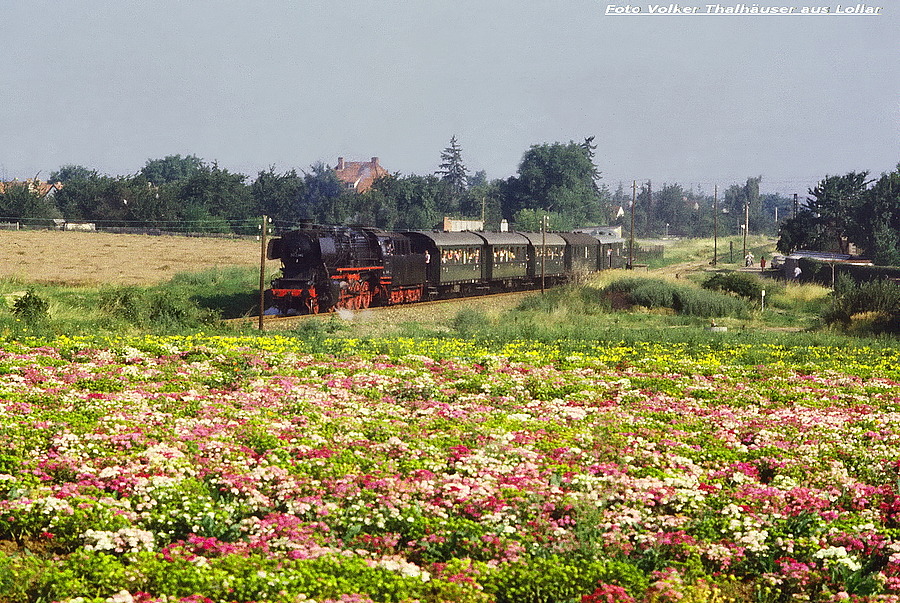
(329, 267)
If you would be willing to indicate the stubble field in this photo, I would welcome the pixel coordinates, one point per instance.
(93, 258)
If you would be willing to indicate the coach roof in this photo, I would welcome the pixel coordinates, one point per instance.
(449, 239)
(577, 238)
(503, 238)
(551, 239)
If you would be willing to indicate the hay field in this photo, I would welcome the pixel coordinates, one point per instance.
(95, 258)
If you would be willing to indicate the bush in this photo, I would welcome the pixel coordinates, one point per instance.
(161, 309)
(741, 284)
(468, 322)
(542, 580)
(684, 299)
(874, 306)
(32, 308)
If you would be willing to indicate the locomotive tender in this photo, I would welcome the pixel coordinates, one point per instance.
(329, 267)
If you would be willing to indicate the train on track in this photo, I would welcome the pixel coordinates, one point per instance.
(325, 268)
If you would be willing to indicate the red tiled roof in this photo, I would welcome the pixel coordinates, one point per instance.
(359, 175)
(34, 186)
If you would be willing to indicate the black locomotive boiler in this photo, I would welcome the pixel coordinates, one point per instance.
(329, 267)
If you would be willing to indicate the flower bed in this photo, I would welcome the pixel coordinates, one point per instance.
(249, 469)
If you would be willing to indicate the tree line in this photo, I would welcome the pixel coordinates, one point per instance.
(558, 180)
(187, 193)
(852, 209)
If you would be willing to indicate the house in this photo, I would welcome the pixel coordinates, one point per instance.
(42, 189)
(359, 175)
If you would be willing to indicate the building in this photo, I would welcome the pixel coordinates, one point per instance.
(42, 189)
(459, 225)
(359, 175)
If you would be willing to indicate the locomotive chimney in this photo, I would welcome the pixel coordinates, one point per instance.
(340, 164)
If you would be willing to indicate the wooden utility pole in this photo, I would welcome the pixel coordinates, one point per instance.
(631, 243)
(746, 225)
(543, 250)
(262, 270)
(715, 224)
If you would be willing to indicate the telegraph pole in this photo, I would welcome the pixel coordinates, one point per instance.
(631, 244)
(715, 224)
(746, 224)
(262, 270)
(543, 249)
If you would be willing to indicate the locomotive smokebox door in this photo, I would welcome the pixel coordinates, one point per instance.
(273, 249)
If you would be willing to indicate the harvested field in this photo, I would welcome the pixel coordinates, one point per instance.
(94, 258)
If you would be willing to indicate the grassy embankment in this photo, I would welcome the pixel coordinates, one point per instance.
(665, 302)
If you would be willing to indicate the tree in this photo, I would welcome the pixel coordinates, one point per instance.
(215, 200)
(803, 231)
(455, 180)
(452, 170)
(556, 177)
(89, 196)
(171, 168)
(326, 199)
(837, 202)
(671, 213)
(280, 196)
(739, 199)
(881, 210)
(20, 201)
(71, 173)
(416, 200)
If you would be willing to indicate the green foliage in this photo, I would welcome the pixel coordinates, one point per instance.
(743, 203)
(452, 170)
(803, 231)
(741, 284)
(569, 300)
(23, 203)
(468, 322)
(157, 308)
(875, 304)
(838, 202)
(844, 209)
(554, 579)
(560, 177)
(32, 308)
(683, 299)
(280, 196)
(171, 168)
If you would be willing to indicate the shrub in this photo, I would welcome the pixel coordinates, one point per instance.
(32, 308)
(874, 306)
(128, 303)
(468, 322)
(161, 309)
(684, 299)
(741, 284)
(540, 580)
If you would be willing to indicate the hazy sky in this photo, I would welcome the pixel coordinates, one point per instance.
(700, 99)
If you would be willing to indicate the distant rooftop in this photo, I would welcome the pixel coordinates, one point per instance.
(359, 175)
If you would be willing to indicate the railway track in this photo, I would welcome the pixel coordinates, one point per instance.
(410, 311)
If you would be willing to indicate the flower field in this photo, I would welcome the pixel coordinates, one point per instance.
(252, 469)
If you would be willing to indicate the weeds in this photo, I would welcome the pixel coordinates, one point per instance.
(741, 284)
(683, 299)
(870, 307)
(32, 308)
